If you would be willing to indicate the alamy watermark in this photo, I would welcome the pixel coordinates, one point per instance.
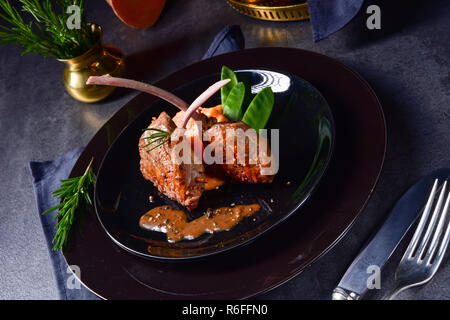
(374, 279)
(73, 282)
(74, 20)
(374, 20)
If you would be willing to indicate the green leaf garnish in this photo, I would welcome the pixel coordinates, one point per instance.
(236, 95)
(248, 92)
(232, 107)
(227, 73)
(259, 110)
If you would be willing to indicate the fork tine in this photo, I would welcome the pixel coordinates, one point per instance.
(432, 223)
(426, 211)
(445, 239)
(438, 232)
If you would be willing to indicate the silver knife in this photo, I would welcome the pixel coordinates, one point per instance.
(377, 252)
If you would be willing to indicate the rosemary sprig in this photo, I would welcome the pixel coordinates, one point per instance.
(74, 194)
(159, 137)
(48, 34)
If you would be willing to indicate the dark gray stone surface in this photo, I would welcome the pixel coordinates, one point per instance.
(406, 63)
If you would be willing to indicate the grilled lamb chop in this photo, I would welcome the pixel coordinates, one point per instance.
(181, 182)
(246, 165)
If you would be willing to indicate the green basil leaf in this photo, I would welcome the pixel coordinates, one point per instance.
(259, 110)
(232, 108)
(227, 73)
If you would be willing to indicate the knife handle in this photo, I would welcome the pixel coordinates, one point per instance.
(342, 294)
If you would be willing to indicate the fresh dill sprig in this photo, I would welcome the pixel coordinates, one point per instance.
(74, 195)
(48, 35)
(159, 137)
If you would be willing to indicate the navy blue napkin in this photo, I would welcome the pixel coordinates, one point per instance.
(328, 16)
(228, 39)
(46, 178)
(47, 175)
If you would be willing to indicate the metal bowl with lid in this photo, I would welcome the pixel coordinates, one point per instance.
(272, 10)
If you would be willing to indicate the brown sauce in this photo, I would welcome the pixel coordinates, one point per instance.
(213, 183)
(176, 225)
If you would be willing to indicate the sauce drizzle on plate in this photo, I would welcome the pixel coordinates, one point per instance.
(175, 223)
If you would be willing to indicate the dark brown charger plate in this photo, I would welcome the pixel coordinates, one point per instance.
(279, 255)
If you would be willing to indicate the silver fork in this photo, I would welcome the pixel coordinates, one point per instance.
(421, 260)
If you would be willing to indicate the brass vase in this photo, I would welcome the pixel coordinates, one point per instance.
(99, 60)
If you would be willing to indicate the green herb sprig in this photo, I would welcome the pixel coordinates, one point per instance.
(159, 137)
(74, 195)
(48, 35)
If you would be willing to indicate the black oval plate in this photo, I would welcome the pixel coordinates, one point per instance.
(306, 144)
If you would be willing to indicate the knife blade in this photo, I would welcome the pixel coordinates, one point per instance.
(377, 252)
